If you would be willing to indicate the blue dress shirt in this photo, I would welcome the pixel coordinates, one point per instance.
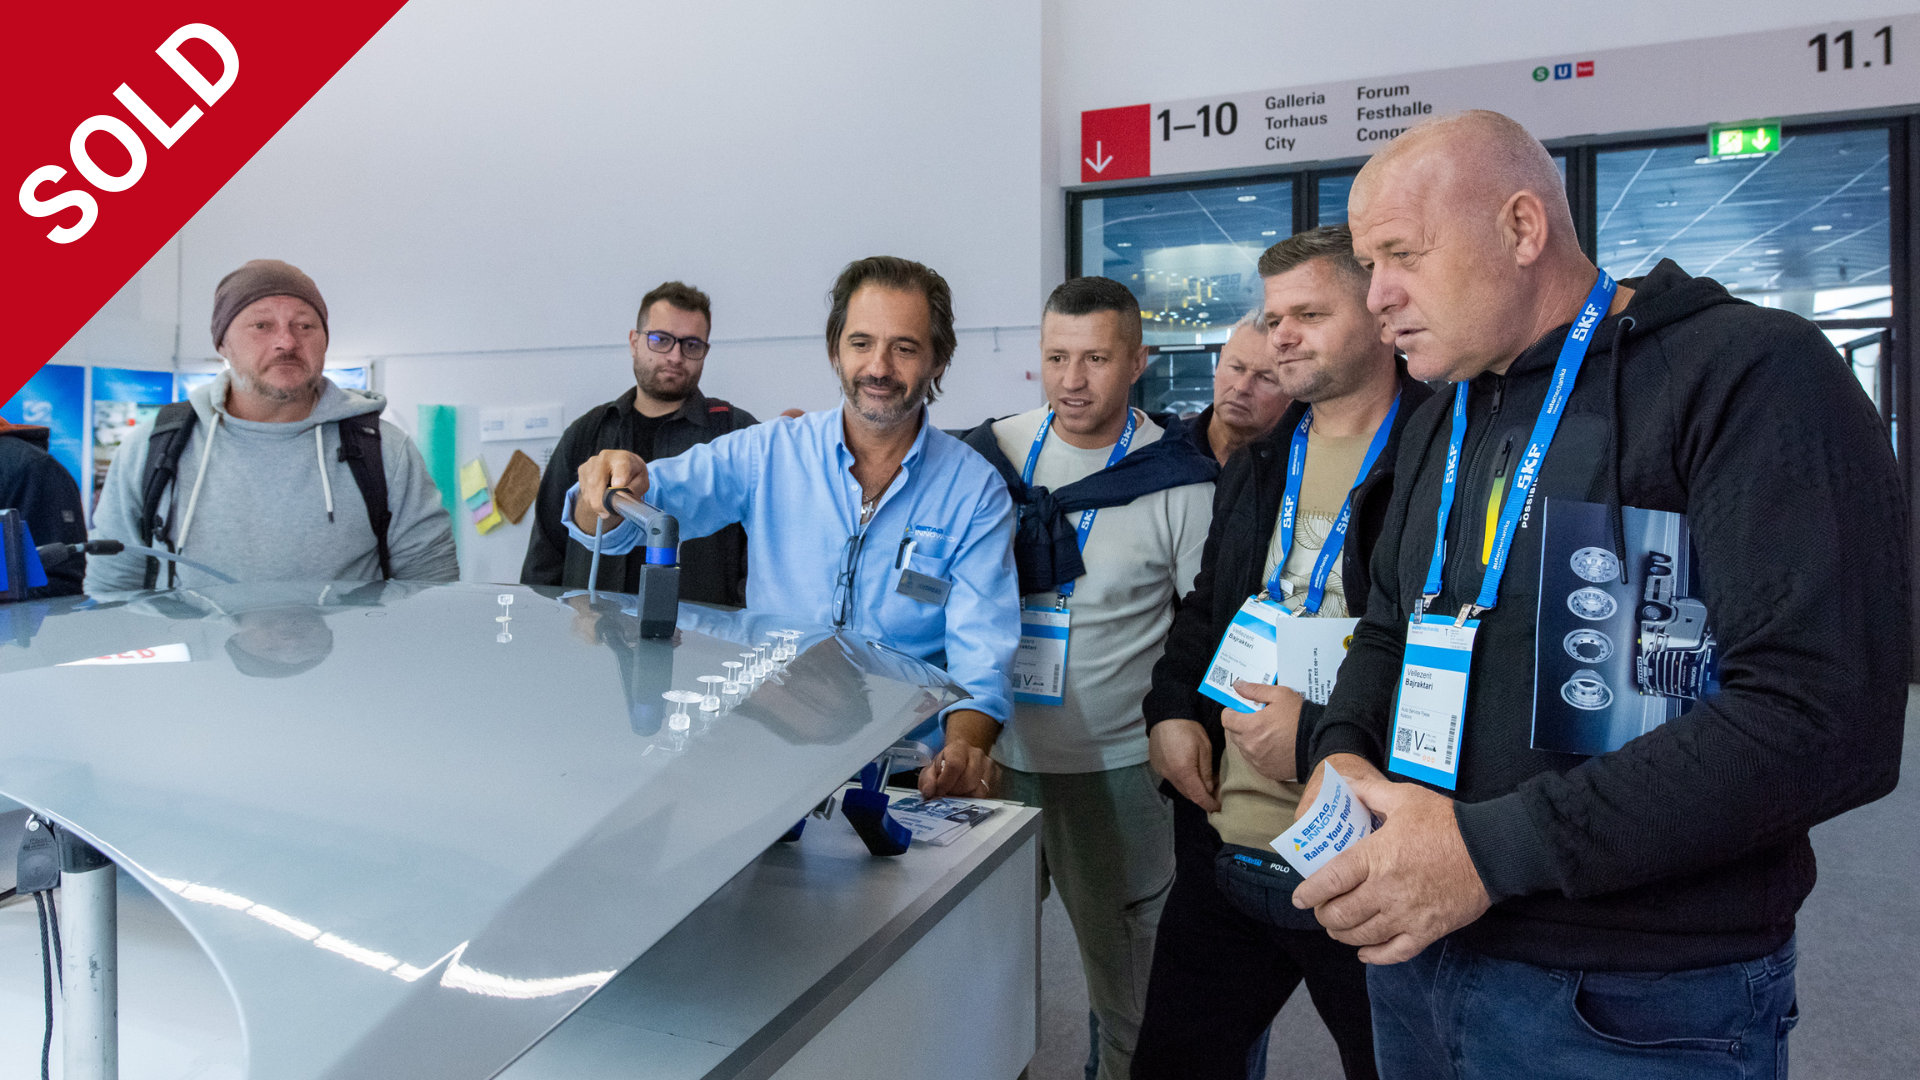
(947, 515)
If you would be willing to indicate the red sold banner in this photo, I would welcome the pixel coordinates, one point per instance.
(124, 122)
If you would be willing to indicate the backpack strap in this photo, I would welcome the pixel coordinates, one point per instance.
(172, 429)
(360, 449)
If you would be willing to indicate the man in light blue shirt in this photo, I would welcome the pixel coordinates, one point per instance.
(865, 516)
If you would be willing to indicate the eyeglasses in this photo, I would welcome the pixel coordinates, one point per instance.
(692, 348)
(843, 585)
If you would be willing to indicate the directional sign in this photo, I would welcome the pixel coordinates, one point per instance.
(1744, 140)
(1115, 144)
(1835, 67)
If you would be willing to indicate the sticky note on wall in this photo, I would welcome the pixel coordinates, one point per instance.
(476, 497)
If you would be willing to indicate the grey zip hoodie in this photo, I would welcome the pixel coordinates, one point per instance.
(275, 501)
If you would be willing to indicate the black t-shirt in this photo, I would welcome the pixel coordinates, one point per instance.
(646, 431)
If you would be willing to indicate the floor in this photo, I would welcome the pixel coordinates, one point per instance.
(1859, 944)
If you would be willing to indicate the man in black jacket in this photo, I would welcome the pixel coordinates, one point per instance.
(1230, 949)
(1629, 912)
(661, 417)
(32, 482)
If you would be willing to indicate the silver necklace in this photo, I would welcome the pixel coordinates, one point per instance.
(871, 503)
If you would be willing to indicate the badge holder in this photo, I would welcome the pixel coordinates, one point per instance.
(1040, 663)
(1249, 651)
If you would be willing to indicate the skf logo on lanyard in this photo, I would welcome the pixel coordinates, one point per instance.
(1589, 316)
(1453, 462)
(1529, 465)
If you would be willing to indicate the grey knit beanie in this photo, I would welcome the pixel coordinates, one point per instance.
(258, 280)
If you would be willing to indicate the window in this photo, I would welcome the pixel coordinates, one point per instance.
(1190, 255)
(1807, 229)
(1333, 198)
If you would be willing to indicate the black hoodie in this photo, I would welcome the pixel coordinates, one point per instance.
(1687, 847)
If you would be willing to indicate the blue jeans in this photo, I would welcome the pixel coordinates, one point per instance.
(1459, 1015)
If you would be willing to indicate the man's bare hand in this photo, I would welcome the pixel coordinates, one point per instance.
(1266, 738)
(606, 469)
(1347, 765)
(1405, 886)
(964, 767)
(1183, 756)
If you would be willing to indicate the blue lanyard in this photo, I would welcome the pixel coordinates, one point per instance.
(1573, 352)
(1290, 502)
(1086, 516)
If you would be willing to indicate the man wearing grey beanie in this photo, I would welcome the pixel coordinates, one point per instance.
(256, 474)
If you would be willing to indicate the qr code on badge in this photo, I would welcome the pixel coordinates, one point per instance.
(1218, 677)
(1403, 740)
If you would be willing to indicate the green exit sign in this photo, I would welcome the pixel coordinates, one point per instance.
(1743, 140)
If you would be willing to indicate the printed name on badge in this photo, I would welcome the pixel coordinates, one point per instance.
(1040, 664)
(924, 587)
(1249, 652)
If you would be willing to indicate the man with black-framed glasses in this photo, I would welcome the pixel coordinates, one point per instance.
(662, 416)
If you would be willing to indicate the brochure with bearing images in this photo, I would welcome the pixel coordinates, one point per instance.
(1617, 654)
(938, 821)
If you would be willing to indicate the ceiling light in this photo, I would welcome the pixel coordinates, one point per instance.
(1823, 228)
(1269, 232)
(1124, 243)
(1773, 251)
(1248, 198)
(1748, 269)
(1624, 243)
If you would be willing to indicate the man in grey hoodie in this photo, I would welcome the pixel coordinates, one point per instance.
(262, 491)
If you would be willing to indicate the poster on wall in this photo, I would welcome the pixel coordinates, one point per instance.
(122, 397)
(55, 398)
(186, 382)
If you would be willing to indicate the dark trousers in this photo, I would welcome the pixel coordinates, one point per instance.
(1219, 977)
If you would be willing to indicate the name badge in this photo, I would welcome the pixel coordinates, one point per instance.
(1040, 664)
(1432, 702)
(923, 587)
(1249, 652)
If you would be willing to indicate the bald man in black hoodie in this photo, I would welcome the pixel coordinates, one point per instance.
(1628, 912)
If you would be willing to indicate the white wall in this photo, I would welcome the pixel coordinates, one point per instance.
(1126, 52)
(135, 329)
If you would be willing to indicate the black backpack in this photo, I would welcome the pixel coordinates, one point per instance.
(359, 448)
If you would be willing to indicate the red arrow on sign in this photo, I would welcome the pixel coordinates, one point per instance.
(1116, 144)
